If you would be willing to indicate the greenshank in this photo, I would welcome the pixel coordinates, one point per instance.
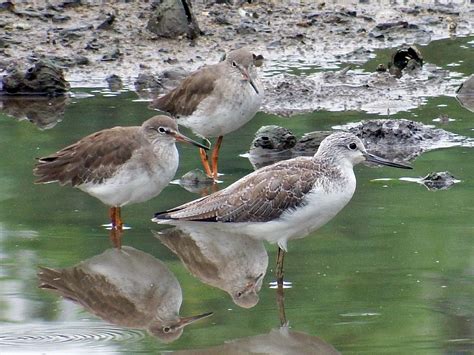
(286, 200)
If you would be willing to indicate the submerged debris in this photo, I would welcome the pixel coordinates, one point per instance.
(434, 181)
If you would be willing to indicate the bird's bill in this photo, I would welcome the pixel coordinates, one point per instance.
(188, 320)
(253, 284)
(378, 160)
(182, 138)
(247, 77)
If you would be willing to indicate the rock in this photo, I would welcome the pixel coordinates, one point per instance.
(147, 82)
(273, 137)
(114, 54)
(107, 23)
(114, 81)
(174, 18)
(406, 58)
(403, 140)
(465, 94)
(44, 78)
(195, 177)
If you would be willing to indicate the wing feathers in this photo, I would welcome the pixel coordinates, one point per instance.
(93, 158)
(259, 197)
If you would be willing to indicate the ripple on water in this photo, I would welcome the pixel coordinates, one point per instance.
(78, 335)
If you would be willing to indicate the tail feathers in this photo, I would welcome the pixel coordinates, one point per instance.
(55, 280)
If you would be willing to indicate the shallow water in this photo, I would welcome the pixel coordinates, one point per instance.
(392, 273)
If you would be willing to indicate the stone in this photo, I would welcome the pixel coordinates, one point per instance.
(44, 78)
(174, 18)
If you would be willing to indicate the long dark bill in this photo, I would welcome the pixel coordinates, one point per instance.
(378, 160)
(182, 138)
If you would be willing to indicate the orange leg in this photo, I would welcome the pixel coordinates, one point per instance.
(215, 157)
(205, 162)
(115, 218)
(116, 237)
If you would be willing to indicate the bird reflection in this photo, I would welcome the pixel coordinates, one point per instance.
(44, 112)
(126, 287)
(281, 340)
(231, 262)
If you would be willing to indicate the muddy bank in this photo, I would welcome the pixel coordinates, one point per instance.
(73, 33)
(93, 42)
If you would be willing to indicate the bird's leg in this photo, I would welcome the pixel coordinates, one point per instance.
(215, 157)
(112, 213)
(279, 267)
(115, 236)
(115, 218)
(280, 294)
(118, 219)
(205, 162)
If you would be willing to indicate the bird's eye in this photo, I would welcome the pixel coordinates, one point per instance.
(352, 146)
(239, 294)
(162, 130)
(234, 64)
(166, 329)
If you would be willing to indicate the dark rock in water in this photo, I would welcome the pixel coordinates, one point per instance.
(173, 18)
(407, 58)
(196, 181)
(439, 180)
(151, 86)
(147, 83)
(195, 177)
(273, 137)
(397, 140)
(309, 143)
(44, 112)
(44, 78)
(465, 94)
(275, 143)
(403, 140)
(114, 82)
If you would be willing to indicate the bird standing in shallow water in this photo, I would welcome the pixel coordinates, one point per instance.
(120, 165)
(216, 100)
(286, 200)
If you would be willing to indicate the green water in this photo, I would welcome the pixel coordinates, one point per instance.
(392, 273)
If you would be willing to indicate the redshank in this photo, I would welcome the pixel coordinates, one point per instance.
(286, 200)
(126, 287)
(120, 165)
(216, 100)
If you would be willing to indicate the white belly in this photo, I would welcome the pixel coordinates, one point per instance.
(134, 183)
(224, 111)
(320, 208)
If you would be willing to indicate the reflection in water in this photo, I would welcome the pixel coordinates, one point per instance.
(126, 287)
(44, 112)
(229, 261)
(278, 341)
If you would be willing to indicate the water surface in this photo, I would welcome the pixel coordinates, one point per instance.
(392, 273)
